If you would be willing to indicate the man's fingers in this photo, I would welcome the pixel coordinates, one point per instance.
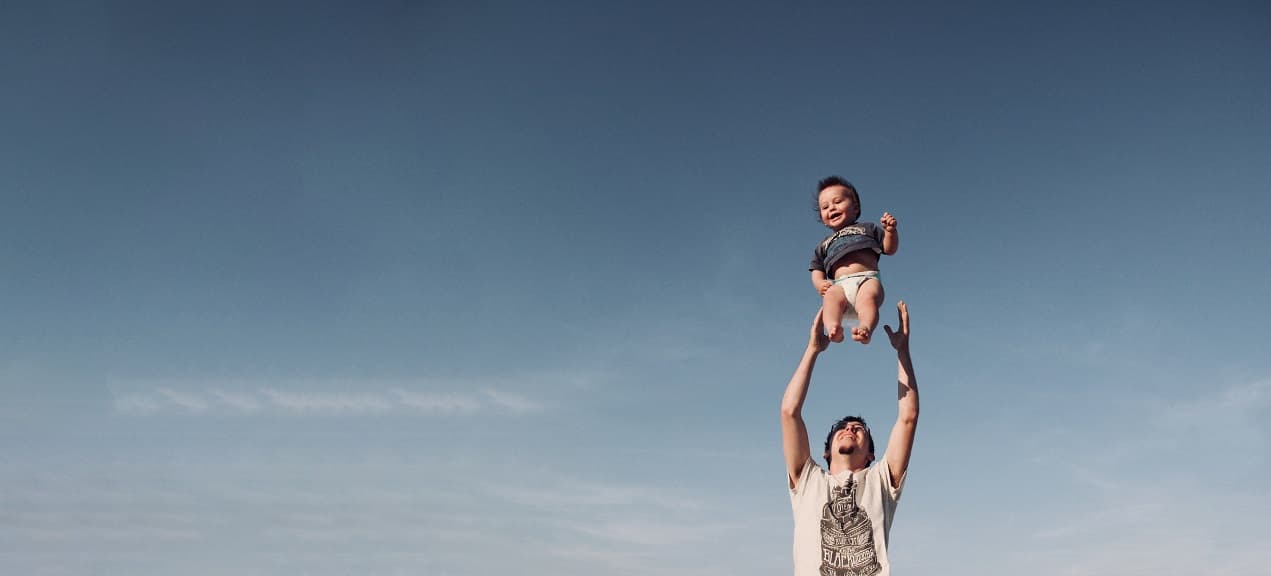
(887, 329)
(902, 310)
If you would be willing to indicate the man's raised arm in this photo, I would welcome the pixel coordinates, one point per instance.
(794, 434)
(902, 434)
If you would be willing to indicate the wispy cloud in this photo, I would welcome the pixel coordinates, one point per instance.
(602, 525)
(342, 399)
(584, 494)
(1135, 508)
(516, 394)
(236, 401)
(1154, 531)
(438, 402)
(97, 534)
(512, 402)
(328, 402)
(184, 400)
(1239, 400)
(1228, 424)
(649, 530)
(137, 403)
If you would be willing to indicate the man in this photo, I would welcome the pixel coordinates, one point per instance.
(842, 516)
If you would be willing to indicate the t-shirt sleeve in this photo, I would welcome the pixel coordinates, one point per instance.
(801, 487)
(818, 260)
(877, 232)
(884, 473)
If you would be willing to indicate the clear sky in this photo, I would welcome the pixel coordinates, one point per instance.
(462, 288)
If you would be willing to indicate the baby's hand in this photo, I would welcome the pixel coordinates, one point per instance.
(888, 221)
(825, 286)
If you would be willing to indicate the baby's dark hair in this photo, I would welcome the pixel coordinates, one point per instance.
(835, 181)
(841, 424)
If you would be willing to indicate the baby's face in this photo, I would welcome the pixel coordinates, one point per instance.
(837, 208)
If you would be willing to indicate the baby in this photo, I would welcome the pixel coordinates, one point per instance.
(850, 257)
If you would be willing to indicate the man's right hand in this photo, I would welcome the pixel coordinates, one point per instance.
(817, 340)
(794, 433)
(899, 338)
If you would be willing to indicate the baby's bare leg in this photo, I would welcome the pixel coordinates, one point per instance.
(833, 305)
(868, 298)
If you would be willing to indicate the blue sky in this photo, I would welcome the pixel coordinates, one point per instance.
(458, 288)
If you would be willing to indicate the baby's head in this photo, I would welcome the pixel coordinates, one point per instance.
(837, 202)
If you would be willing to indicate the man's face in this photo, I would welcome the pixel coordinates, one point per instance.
(850, 439)
(836, 207)
(853, 438)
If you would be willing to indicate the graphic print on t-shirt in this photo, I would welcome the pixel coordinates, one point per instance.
(847, 536)
(853, 230)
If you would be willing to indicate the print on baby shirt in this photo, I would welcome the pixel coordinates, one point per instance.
(847, 536)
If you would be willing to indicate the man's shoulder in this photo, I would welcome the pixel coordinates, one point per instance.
(879, 473)
(811, 467)
(810, 473)
(880, 465)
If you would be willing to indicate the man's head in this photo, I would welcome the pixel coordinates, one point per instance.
(848, 436)
(837, 202)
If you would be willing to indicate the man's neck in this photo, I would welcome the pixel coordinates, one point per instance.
(838, 466)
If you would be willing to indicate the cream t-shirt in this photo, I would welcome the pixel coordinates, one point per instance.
(841, 522)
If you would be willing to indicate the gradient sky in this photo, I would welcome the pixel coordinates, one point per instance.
(462, 288)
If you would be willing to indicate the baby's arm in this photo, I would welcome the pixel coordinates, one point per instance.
(820, 282)
(891, 238)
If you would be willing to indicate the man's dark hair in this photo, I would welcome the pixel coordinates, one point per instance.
(835, 181)
(841, 424)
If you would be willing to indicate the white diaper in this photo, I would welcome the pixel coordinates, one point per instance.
(851, 285)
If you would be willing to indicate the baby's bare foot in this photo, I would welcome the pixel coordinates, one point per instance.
(861, 334)
(835, 332)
